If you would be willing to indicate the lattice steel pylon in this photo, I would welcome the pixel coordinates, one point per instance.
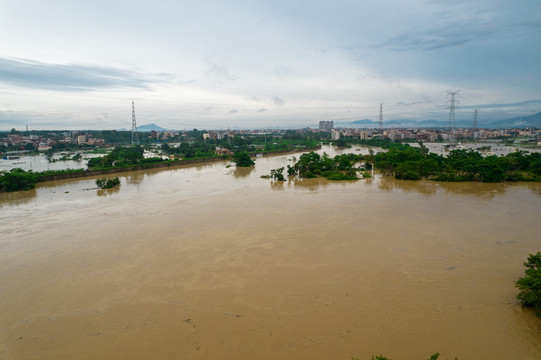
(453, 95)
(134, 135)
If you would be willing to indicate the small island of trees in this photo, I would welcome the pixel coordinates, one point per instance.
(530, 284)
(104, 183)
(243, 159)
(341, 167)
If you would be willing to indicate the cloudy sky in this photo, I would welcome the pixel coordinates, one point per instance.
(215, 64)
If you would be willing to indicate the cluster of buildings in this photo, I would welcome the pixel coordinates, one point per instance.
(431, 135)
(163, 134)
(413, 134)
(47, 141)
(212, 135)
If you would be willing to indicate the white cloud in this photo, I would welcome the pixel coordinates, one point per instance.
(195, 61)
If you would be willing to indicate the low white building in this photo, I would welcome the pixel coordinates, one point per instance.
(43, 146)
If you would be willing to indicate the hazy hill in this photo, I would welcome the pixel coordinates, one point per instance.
(145, 128)
(516, 122)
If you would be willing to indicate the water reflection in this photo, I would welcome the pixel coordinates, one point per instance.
(135, 178)
(241, 172)
(17, 197)
(60, 183)
(389, 184)
(534, 187)
(108, 192)
(369, 180)
(310, 184)
(428, 187)
(277, 185)
(477, 189)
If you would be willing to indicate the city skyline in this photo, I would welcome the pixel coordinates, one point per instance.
(253, 64)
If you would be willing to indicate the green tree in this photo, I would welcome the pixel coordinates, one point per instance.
(165, 148)
(491, 169)
(120, 156)
(342, 143)
(530, 285)
(104, 183)
(17, 179)
(277, 174)
(49, 153)
(242, 159)
(535, 167)
(405, 172)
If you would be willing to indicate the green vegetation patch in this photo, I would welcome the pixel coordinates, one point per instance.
(341, 167)
(17, 179)
(243, 159)
(530, 284)
(120, 156)
(277, 174)
(412, 163)
(108, 183)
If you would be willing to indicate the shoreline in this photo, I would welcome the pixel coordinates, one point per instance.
(168, 164)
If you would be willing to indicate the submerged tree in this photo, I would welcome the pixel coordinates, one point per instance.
(530, 285)
(104, 183)
(277, 174)
(242, 159)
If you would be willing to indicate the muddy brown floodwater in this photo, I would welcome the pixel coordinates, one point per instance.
(209, 262)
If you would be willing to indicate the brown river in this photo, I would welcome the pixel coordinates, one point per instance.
(210, 262)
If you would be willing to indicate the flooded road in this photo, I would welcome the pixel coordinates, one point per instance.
(214, 262)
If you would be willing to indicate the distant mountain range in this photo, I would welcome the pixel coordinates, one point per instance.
(517, 122)
(147, 128)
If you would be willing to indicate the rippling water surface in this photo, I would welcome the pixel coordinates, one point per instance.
(212, 262)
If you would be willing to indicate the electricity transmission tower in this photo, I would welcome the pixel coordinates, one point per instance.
(452, 98)
(380, 123)
(134, 136)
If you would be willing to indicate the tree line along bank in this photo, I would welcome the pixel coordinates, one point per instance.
(399, 160)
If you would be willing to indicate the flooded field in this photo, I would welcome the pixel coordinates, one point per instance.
(42, 163)
(486, 148)
(209, 262)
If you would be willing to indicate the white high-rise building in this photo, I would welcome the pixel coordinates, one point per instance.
(326, 125)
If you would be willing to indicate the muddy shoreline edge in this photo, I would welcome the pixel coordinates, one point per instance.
(168, 164)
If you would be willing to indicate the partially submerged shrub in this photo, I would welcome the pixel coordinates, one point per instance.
(104, 183)
(530, 285)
